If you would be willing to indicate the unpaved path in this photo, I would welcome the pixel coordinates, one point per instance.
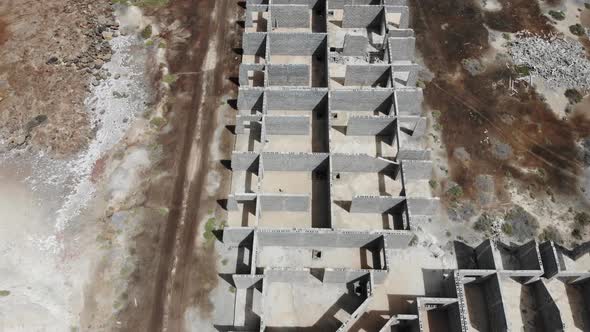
(183, 272)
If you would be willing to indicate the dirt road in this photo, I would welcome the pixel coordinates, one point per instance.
(183, 272)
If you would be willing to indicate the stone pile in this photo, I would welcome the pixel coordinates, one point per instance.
(561, 62)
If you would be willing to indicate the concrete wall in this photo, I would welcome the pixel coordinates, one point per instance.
(416, 124)
(234, 199)
(309, 3)
(297, 99)
(370, 125)
(548, 310)
(355, 45)
(316, 238)
(402, 48)
(529, 256)
(367, 75)
(347, 325)
(362, 16)
(290, 16)
(399, 33)
(244, 161)
(284, 202)
(484, 254)
(244, 281)
(340, 276)
(287, 275)
(374, 204)
(495, 303)
(549, 259)
(244, 68)
(395, 2)
(422, 206)
(293, 162)
(233, 236)
(288, 75)
(339, 4)
(416, 169)
(361, 100)
(240, 119)
(250, 99)
(296, 43)
(287, 125)
(404, 12)
(254, 43)
(413, 154)
(397, 239)
(412, 71)
(342, 162)
(409, 101)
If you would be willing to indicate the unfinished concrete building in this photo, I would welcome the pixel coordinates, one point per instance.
(328, 167)
(329, 174)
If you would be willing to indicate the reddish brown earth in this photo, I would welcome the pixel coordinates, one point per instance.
(197, 115)
(476, 110)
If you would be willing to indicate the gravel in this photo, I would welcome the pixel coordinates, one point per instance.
(561, 62)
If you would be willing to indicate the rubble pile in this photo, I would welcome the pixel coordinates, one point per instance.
(561, 62)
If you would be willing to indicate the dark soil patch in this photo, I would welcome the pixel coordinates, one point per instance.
(3, 31)
(517, 15)
(481, 113)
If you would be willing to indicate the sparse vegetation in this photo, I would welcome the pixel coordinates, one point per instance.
(4, 293)
(523, 70)
(506, 35)
(557, 15)
(582, 218)
(149, 42)
(146, 32)
(209, 228)
(232, 289)
(432, 184)
(169, 78)
(484, 224)
(162, 45)
(158, 122)
(507, 229)
(163, 211)
(524, 225)
(577, 29)
(150, 3)
(550, 233)
(455, 192)
(574, 96)
(414, 241)
(224, 262)
(576, 233)
(587, 5)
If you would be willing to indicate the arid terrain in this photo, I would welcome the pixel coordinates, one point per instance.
(116, 129)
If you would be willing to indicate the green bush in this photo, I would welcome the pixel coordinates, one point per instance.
(146, 32)
(558, 15)
(432, 184)
(169, 78)
(507, 229)
(574, 96)
(484, 224)
(577, 29)
(550, 233)
(455, 192)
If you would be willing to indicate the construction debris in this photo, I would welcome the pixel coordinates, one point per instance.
(561, 62)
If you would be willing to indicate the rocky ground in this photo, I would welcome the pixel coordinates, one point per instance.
(114, 119)
(509, 119)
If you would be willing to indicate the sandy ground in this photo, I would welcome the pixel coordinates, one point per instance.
(69, 225)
